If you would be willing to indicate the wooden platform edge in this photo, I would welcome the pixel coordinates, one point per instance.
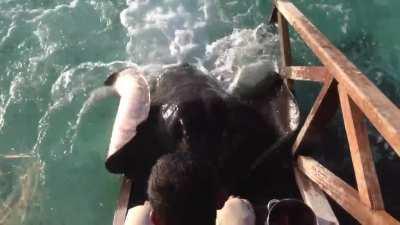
(342, 193)
(314, 197)
(123, 201)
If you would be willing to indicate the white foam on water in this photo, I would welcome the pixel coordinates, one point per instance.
(71, 84)
(245, 51)
(170, 34)
(45, 12)
(15, 95)
(95, 96)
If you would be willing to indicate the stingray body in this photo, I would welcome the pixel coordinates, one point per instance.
(189, 111)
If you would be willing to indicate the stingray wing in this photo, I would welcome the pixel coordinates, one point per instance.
(133, 109)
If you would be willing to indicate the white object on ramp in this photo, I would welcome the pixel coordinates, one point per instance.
(236, 211)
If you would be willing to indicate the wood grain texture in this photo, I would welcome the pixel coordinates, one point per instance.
(123, 200)
(342, 193)
(314, 197)
(306, 73)
(285, 49)
(286, 57)
(361, 155)
(382, 113)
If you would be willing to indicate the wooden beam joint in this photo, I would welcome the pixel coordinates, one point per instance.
(306, 73)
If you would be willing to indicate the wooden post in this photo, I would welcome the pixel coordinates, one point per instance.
(363, 162)
(284, 41)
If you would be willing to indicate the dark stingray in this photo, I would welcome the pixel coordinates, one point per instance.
(190, 111)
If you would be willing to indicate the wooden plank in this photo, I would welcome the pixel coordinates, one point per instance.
(382, 113)
(342, 193)
(361, 155)
(284, 40)
(316, 199)
(306, 73)
(286, 57)
(123, 200)
(324, 108)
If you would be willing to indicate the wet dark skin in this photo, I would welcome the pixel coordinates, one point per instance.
(191, 112)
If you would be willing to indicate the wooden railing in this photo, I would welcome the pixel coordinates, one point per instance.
(343, 87)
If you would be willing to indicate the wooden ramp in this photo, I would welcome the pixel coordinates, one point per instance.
(344, 87)
(123, 201)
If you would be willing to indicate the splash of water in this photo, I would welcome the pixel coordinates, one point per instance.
(172, 33)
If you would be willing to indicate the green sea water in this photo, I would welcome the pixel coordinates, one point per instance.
(54, 54)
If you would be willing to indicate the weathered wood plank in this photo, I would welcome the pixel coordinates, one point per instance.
(382, 113)
(306, 73)
(316, 199)
(325, 106)
(286, 56)
(284, 43)
(123, 200)
(361, 155)
(342, 193)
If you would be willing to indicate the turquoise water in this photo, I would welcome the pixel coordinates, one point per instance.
(54, 54)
